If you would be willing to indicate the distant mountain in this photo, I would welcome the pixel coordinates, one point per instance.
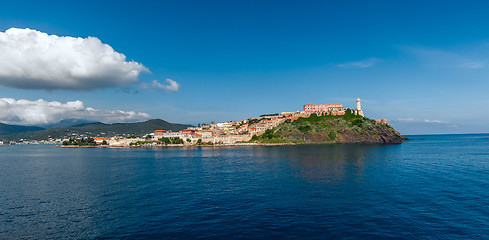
(11, 129)
(69, 122)
(99, 129)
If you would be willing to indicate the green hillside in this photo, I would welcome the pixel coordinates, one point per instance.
(99, 129)
(348, 128)
(11, 129)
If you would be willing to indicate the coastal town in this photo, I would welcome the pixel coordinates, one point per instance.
(225, 133)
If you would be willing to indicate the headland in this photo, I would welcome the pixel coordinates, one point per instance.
(315, 124)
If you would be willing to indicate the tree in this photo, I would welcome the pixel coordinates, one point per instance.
(165, 140)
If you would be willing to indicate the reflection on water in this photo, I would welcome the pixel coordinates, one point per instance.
(328, 163)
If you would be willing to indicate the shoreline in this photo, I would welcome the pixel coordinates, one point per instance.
(223, 145)
(182, 145)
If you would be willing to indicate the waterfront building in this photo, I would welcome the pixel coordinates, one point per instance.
(100, 140)
(188, 131)
(160, 133)
(206, 134)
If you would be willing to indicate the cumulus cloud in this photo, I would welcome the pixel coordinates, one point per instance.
(26, 112)
(31, 59)
(172, 86)
(370, 62)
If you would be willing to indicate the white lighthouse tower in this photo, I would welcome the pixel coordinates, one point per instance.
(359, 110)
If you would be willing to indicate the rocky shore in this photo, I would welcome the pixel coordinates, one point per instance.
(346, 129)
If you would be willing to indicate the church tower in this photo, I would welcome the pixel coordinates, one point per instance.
(359, 110)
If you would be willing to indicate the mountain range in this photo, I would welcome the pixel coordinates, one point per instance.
(70, 127)
(67, 123)
(10, 129)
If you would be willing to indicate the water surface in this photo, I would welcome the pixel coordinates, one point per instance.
(435, 188)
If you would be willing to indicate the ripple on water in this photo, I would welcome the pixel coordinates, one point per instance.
(431, 189)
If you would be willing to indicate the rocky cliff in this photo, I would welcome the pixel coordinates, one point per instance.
(348, 128)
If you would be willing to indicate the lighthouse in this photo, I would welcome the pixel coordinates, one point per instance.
(359, 111)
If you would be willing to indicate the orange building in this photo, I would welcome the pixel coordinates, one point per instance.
(188, 131)
(159, 133)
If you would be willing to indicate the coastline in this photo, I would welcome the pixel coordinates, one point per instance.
(226, 145)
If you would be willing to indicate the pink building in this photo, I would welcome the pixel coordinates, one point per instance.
(323, 108)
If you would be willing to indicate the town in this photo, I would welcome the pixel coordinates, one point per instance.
(226, 133)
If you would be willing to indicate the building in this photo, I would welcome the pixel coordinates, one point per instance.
(100, 140)
(359, 110)
(206, 134)
(188, 131)
(381, 121)
(160, 133)
(323, 108)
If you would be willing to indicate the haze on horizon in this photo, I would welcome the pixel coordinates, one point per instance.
(423, 66)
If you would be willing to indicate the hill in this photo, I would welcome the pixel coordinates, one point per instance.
(99, 129)
(348, 128)
(11, 129)
(67, 123)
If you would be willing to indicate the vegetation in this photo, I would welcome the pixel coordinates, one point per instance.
(96, 129)
(11, 129)
(80, 142)
(171, 140)
(348, 128)
(252, 121)
(269, 115)
(160, 141)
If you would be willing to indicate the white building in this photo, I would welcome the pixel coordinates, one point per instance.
(359, 110)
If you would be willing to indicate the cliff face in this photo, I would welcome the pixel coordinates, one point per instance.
(348, 128)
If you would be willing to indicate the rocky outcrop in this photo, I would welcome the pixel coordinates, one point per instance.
(346, 129)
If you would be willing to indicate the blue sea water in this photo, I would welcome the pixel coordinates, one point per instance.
(435, 187)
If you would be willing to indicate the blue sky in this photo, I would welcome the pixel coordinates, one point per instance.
(423, 66)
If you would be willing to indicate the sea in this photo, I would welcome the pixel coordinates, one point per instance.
(433, 187)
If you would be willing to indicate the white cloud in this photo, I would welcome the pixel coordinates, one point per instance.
(26, 112)
(31, 59)
(473, 59)
(412, 120)
(473, 65)
(172, 86)
(370, 62)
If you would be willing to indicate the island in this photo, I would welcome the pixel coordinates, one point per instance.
(315, 124)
